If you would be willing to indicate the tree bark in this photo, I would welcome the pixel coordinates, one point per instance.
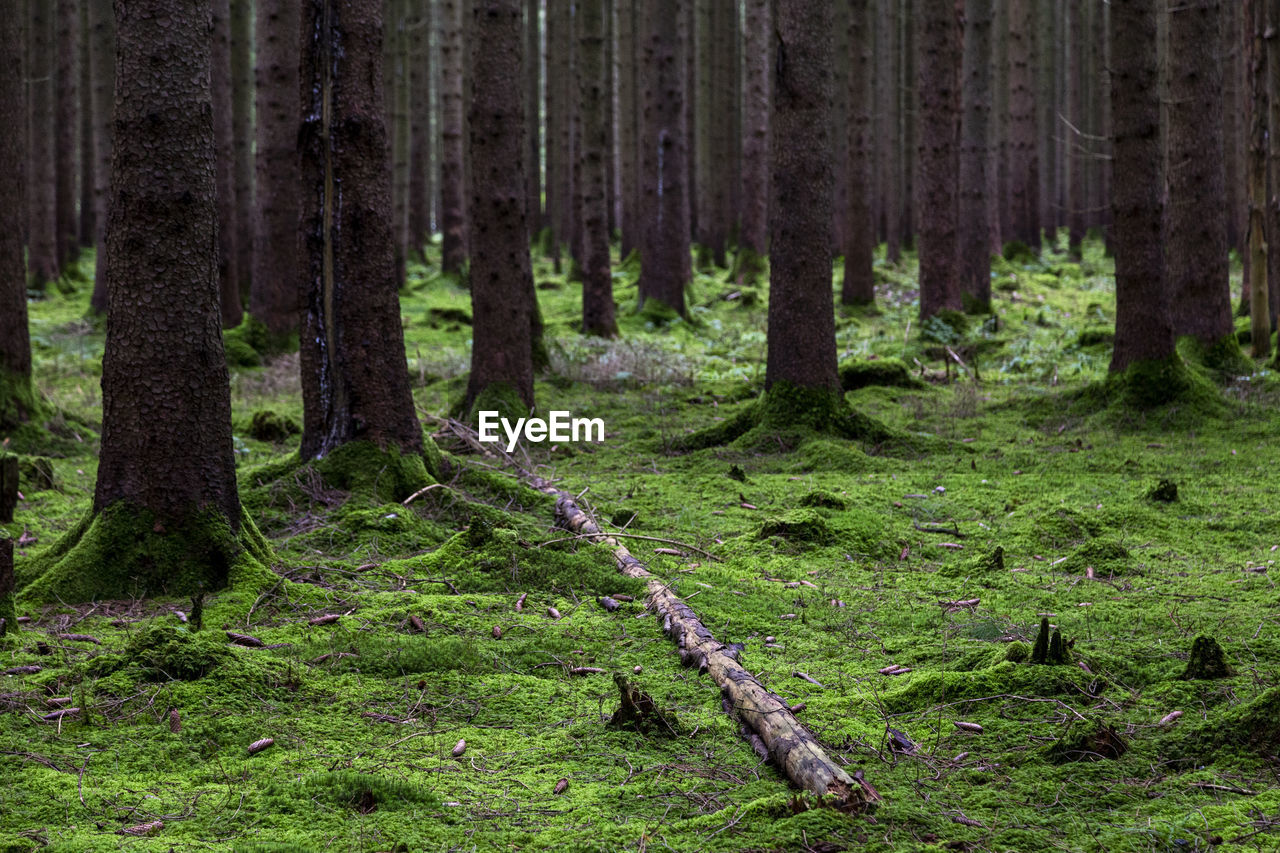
(166, 407)
(87, 222)
(1024, 169)
(936, 157)
(858, 287)
(274, 298)
(397, 31)
(102, 38)
(1273, 157)
(1073, 139)
(501, 274)
(66, 123)
(1144, 326)
(597, 278)
(801, 332)
(757, 31)
(16, 399)
(419, 224)
(224, 145)
(242, 94)
(453, 207)
(532, 101)
(889, 134)
(974, 243)
(355, 383)
(664, 257)
(1196, 218)
(1256, 173)
(629, 128)
(42, 197)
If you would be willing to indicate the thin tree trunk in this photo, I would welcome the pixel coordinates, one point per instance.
(597, 281)
(858, 287)
(102, 38)
(403, 129)
(701, 85)
(242, 94)
(936, 160)
(355, 384)
(66, 123)
(629, 128)
(224, 145)
(1273, 157)
(973, 239)
(890, 132)
(998, 138)
(1144, 327)
(1042, 49)
(1196, 217)
(665, 262)
(501, 276)
(16, 400)
(1024, 171)
(532, 100)
(1073, 140)
(753, 237)
(274, 298)
(42, 197)
(86, 234)
(1256, 167)
(453, 207)
(419, 204)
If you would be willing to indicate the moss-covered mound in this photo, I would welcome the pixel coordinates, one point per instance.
(1088, 742)
(797, 525)
(1207, 660)
(1105, 556)
(268, 425)
(824, 499)
(881, 371)
(166, 652)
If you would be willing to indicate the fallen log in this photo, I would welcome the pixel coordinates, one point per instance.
(769, 718)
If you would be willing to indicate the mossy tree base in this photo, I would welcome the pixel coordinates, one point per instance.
(19, 402)
(1146, 385)
(383, 475)
(125, 552)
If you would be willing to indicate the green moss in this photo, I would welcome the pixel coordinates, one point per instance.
(362, 466)
(881, 371)
(979, 564)
(270, 426)
(1093, 337)
(19, 402)
(1152, 384)
(359, 791)
(1207, 660)
(1106, 556)
(164, 652)
(246, 344)
(118, 553)
(658, 313)
(823, 499)
(1017, 652)
(1091, 741)
(498, 397)
(798, 525)
(1251, 727)
(1166, 491)
(1016, 251)
(1223, 360)
(945, 327)
(749, 268)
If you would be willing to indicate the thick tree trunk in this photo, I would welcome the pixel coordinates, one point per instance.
(1273, 157)
(242, 94)
(66, 123)
(402, 128)
(757, 31)
(858, 287)
(453, 206)
(419, 203)
(1196, 218)
(274, 298)
(889, 116)
(936, 158)
(1044, 40)
(42, 197)
(998, 138)
(794, 750)
(87, 226)
(16, 401)
(501, 275)
(1144, 327)
(1024, 167)
(703, 150)
(974, 243)
(355, 384)
(629, 128)
(102, 48)
(801, 331)
(1073, 159)
(167, 461)
(665, 265)
(1232, 109)
(532, 101)
(1256, 173)
(224, 145)
(597, 279)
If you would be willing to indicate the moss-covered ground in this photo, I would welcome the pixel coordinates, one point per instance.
(906, 579)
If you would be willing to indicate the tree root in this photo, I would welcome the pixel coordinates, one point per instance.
(793, 749)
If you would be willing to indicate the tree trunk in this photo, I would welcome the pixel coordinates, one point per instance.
(998, 138)
(1024, 171)
(801, 330)
(858, 287)
(974, 243)
(16, 399)
(242, 93)
(274, 298)
(1196, 218)
(629, 128)
(42, 197)
(419, 224)
(1256, 173)
(701, 83)
(102, 48)
(355, 384)
(936, 160)
(597, 279)
(753, 236)
(1144, 327)
(1073, 140)
(453, 207)
(889, 115)
(397, 30)
(167, 465)
(224, 145)
(86, 235)
(501, 275)
(66, 123)
(1043, 47)
(532, 100)
(665, 264)
(1273, 157)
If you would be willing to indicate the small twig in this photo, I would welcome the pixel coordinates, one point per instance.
(706, 554)
(413, 497)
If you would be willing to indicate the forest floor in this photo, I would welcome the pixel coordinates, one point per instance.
(832, 563)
